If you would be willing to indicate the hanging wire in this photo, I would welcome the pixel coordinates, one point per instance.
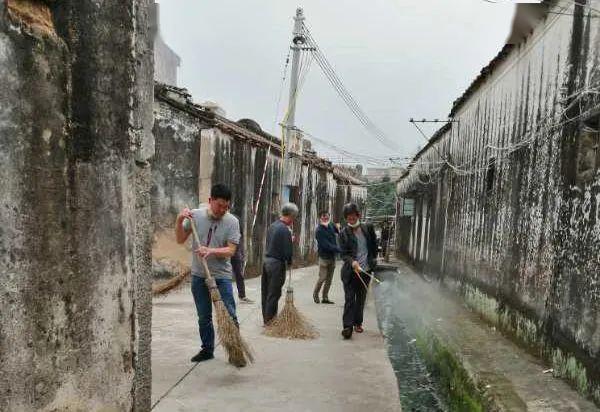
(280, 95)
(344, 94)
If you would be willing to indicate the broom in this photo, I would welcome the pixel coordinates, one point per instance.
(172, 284)
(239, 352)
(372, 276)
(290, 323)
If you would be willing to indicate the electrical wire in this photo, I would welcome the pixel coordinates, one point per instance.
(344, 94)
(285, 71)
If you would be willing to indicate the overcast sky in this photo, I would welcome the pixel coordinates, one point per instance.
(399, 59)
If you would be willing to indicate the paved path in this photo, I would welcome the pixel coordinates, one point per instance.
(326, 374)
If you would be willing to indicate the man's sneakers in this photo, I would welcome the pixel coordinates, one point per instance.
(327, 301)
(205, 355)
(246, 300)
(202, 356)
(358, 329)
(347, 333)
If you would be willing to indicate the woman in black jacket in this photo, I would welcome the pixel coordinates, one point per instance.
(358, 244)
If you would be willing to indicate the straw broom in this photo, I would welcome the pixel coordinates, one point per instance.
(290, 323)
(238, 350)
(172, 284)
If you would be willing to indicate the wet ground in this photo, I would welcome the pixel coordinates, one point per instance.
(466, 353)
(417, 389)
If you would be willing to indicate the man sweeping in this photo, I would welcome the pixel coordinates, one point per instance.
(326, 236)
(358, 243)
(278, 256)
(219, 235)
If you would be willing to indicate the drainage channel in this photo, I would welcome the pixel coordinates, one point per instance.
(417, 389)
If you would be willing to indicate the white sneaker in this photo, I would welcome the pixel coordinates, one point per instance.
(246, 300)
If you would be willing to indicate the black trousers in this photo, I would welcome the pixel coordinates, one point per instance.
(272, 281)
(355, 295)
(237, 265)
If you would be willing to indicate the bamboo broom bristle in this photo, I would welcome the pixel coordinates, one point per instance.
(290, 323)
(172, 284)
(229, 334)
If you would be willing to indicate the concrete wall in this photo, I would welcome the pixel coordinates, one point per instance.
(166, 61)
(74, 267)
(196, 149)
(507, 203)
(175, 172)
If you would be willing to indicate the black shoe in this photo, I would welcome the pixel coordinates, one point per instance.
(202, 356)
(316, 298)
(327, 301)
(347, 333)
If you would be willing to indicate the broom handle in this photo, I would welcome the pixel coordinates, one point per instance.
(361, 280)
(290, 276)
(370, 275)
(197, 238)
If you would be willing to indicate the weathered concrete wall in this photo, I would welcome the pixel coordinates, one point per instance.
(507, 202)
(73, 156)
(175, 173)
(196, 149)
(166, 61)
(241, 165)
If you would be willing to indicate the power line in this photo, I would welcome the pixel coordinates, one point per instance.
(344, 94)
(285, 71)
(344, 152)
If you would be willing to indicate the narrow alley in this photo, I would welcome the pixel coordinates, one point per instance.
(165, 165)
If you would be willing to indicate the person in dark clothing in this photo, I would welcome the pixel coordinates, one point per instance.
(358, 243)
(325, 234)
(278, 257)
(237, 265)
(385, 235)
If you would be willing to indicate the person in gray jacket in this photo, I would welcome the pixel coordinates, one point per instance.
(278, 258)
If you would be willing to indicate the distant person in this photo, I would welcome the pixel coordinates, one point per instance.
(326, 236)
(358, 243)
(237, 264)
(385, 236)
(219, 233)
(278, 257)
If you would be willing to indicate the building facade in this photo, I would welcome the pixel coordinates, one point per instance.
(197, 147)
(503, 204)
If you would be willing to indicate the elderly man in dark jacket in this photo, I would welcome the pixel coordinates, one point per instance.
(278, 257)
(358, 243)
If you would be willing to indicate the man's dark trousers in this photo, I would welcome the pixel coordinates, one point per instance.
(237, 267)
(355, 297)
(272, 281)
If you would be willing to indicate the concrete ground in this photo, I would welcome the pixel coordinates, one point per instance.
(326, 374)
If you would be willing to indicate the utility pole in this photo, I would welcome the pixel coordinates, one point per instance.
(298, 42)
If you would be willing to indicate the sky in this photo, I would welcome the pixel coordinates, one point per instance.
(400, 59)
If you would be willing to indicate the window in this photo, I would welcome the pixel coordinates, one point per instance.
(490, 175)
(408, 207)
(588, 153)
